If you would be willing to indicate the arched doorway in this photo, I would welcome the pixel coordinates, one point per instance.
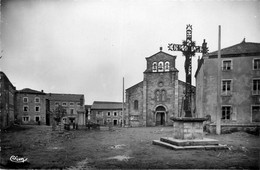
(160, 115)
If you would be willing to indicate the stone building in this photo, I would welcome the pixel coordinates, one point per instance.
(159, 96)
(104, 113)
(31, 106)
(7, 102)
(240, 85)
(74, 105)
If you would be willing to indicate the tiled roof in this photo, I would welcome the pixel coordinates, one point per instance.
(65, 97)
(30, 91)
(243, 48)
(106, 105)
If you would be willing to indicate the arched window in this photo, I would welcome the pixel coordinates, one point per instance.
(136, 104)
(163, 95)
(157, 95)
(160, 66)
(154, 67)
(167, 66)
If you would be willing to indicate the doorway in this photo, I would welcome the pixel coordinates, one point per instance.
(160, 118)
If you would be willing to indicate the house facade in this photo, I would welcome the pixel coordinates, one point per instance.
(159, 96)
(240, 85)
(31, 106)
(7, 102)
(72, 103)
(105, 113)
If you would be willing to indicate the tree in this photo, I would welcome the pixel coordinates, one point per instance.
(59, 113)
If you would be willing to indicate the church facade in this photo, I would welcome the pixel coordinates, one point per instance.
(159, 96)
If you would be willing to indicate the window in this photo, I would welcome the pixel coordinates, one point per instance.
(157, 95)
(56, 103)
(136, 104)
(115, 113)
(78, 103)
(25, 108)
(226, 65)
(25, 99)
(26, 118)
(71, 111)
(154, 67)
(37, 100)
(163, 95)
(37, 118)
(256, 87)
(167, 66)
(160, 66)
(37, 108)
(226, 112)
(99, 114)
(256, 64)
(71, 103)
(226, 87)
(64, 104)
(256, 113)
(108, 114)
(121, 113)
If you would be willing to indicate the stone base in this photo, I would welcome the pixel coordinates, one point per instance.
(177, 144)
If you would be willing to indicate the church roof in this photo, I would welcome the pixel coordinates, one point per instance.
(106, 105)
(161, 52)
(244, 48)
(30, 91)
(136, 85)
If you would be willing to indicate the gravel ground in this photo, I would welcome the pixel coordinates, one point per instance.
(121, 148)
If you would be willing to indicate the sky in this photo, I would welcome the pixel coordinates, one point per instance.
(88, 46)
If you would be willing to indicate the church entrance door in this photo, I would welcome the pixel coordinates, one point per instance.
(160, 118)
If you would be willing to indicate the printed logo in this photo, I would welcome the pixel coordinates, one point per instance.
(17, 159)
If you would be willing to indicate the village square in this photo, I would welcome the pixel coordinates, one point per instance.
(191, 108)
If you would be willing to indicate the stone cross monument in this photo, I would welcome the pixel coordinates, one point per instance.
(188, 48)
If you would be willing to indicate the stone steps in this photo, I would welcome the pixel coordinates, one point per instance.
(176, 144)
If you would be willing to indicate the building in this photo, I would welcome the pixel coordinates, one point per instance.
(104, 113)
(240, 85)
(7, 102)
(74, 105)
(159, 96)
(31, 106)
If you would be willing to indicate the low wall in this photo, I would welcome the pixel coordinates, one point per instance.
(229, 128)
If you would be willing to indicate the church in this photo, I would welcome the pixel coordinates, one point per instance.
(159, 96)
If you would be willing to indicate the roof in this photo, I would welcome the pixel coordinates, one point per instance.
(134, 86)
(106, 105)
(5, 77)
(243, 48)
(30, 91)
(162, 53)
(182, 82)
(65, 97)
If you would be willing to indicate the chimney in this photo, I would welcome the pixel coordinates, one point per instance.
(42, 91)
(160, 48)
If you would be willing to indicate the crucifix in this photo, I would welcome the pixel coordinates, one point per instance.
(188, 49)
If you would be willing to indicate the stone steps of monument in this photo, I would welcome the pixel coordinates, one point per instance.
(175, 147)
(194, 142)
